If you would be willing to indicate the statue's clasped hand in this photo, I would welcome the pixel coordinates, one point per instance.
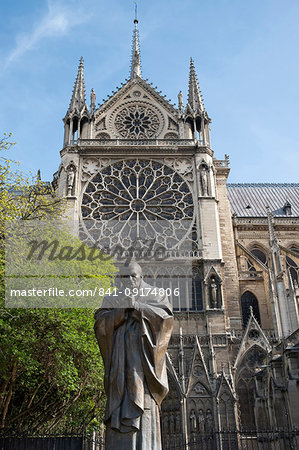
(133, 308)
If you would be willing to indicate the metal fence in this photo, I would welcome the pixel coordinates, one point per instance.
(94, 442)
(41, 443)
(58, 442)
(279, 439)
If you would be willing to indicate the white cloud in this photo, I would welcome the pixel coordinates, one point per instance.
(58, 21)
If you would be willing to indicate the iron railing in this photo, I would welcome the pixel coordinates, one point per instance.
(276, 439)
(51, 442)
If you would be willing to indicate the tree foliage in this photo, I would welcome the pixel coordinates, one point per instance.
(23, 197)
(51, 372)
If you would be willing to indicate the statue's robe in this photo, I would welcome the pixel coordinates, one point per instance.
(133, 343)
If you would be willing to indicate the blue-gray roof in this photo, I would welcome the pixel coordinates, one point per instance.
(252, 199)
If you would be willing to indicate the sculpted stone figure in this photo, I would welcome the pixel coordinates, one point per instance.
(92, 100)
(215, 294)
(193, 421)
(165, 424)
(178, 422)
(204, 181)
(171, 423)
(201, 421)
(70, 179)
(209, 421)
(133, 333)
(180, 99)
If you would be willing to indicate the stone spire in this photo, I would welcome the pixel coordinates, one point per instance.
(78, 100)
(194, 95)
(135, 61)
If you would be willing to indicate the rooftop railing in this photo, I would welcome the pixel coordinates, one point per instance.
(134, 142)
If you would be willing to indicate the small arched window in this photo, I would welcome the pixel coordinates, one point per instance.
(293, 269)
(259, 254)
(196, 293)
(248, 300)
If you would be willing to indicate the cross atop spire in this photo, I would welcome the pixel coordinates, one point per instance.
(78, 100)
(135, 61)
(194, 95)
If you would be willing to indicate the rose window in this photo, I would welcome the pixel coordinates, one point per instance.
(137, 121)
(138, 200)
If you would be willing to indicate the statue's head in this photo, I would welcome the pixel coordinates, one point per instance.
(131, 275)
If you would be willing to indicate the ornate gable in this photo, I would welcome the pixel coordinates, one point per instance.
(225, 389)
(253, 336)
(136, 111)
(199, 382)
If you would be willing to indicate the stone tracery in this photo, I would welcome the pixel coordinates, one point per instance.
(135, 121)
(138, 199)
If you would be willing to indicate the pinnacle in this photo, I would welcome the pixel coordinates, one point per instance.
(135, 58)
(78, 100)
(194, 95)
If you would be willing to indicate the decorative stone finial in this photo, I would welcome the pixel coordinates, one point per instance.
(92, 100)
(180, 99)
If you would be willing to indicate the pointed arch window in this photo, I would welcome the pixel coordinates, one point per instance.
(196, 293)
(245, 385)
(260, 255)
(183, 286)
(292, 266)
(75, 130)
(248, 300)
(245, 392)
(293, 269)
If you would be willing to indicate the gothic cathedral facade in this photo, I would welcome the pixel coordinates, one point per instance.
(140, 168)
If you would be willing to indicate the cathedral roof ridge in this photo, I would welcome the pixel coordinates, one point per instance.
(263, 184)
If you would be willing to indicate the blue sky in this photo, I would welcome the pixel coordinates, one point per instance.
(245, 53)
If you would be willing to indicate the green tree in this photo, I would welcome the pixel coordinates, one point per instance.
(51, 372)
(23, 197)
